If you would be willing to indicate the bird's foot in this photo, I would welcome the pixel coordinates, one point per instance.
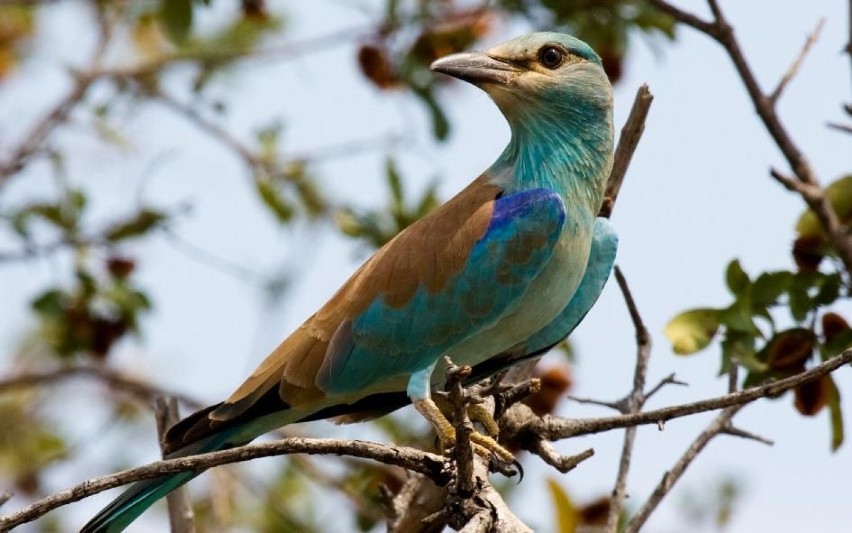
(483, 445)
(479, 413)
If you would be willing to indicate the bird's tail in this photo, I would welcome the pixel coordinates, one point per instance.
(116, 516)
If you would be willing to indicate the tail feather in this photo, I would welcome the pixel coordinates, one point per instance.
(119, 514)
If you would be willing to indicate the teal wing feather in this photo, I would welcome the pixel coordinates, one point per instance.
(386, 341)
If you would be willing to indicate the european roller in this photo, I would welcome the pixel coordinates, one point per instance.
(499, 273)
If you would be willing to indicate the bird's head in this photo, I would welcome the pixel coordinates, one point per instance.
(539, 75)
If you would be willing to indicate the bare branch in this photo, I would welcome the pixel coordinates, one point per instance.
(144, 391)
(794, 68)
(428, 464)
(484, 509)
(723, 33)
(417, 501)
(563, 463)
(733, 377)
(671, 379)
(839, 127)
(181, 516)
(737, 432)
(556, 428)
(635, 400)
(463, 449)
(682, 16)
(671, 477)
(631, 133)
(33, 142)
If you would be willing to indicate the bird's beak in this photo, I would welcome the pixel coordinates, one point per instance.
(476, 68)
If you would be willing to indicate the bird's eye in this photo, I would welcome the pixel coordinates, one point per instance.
(551, 56)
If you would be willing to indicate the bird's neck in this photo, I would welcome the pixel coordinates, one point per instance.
(571, 156)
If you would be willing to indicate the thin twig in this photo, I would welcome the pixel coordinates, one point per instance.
(562, 463)
(428, 464)
(628, 140)
(737, 432)
(635, 401)
(722, 32)
(33, 142)
(794, 68)
(733, 377)
(671, 379)
(839, 127)
(682, 16)
(556, 428)
(671, 477)
(181, 516)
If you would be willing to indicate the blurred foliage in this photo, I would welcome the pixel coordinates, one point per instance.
(811, 245)
(781, 321)
(153, 50)
(571, 518)
(380, 225)
(103, 303)
(713, 504)
(28, 444)
(17, 25)
(393, 60)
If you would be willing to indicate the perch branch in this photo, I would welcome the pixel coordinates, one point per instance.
(428, 464)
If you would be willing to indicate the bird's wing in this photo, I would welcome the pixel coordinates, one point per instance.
(598, 268)
(438, 282)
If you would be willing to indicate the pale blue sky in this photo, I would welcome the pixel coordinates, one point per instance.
(697, 195)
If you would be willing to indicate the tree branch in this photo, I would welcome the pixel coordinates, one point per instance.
(722, 32)
(794, 68)
(628, 140)
(635, 401)
(556, 428)
(428, 464)
(671, 477)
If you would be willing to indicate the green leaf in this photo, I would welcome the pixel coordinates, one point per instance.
(176, 16)
(268, 193)
(50, 303)
(739, 348)
(835, 414)
(440, 123)
(397, 206)
(839, 195)
(137, 226)
(738, 317)
(768, 288)
(736, 278)
(800, 301)
(829, 289)
(842, 341)
(692, 330)
(567, 517)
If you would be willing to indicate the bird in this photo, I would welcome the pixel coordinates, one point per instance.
(500, 273)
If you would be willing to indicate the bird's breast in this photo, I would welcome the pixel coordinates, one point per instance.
(546, 296)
